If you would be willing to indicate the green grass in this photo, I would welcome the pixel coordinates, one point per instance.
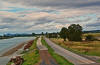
(59, 59)
(32, 57)
(9, 63)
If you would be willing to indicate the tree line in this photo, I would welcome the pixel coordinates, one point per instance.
(73, 32)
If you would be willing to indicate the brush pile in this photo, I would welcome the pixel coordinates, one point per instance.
(18, 60)
(28, 45)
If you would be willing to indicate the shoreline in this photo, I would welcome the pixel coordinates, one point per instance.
(13, 49)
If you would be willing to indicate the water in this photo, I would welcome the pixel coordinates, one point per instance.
(8, 43)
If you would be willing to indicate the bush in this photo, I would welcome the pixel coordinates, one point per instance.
(90, 38)
(17, 61)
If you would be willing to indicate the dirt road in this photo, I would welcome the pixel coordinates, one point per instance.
(45, 56)
(72, 57)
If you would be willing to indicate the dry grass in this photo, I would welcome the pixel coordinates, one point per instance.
(94, 34)
(88, 48)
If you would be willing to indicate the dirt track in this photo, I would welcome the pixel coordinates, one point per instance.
(45, 56)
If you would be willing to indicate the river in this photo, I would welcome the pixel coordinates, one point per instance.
(6, 44)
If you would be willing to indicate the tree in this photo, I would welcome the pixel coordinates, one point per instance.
(33, 34)
(75, 32)
(46, 34)
(53, 35)
(42, 33)
(63, 33)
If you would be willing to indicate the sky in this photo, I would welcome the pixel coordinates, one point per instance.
(27, 16)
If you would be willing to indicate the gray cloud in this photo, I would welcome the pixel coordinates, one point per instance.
(43, 20)
(95, 3)
(19, 24)
(9, 20)
(57, 3)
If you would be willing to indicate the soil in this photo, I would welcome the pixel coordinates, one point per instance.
(46, 58)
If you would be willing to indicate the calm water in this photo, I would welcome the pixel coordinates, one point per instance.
(8, 43)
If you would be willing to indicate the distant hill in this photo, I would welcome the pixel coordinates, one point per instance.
(92, 31)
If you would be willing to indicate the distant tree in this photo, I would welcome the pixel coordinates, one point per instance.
(33, 34)
(52, 35)
(42, 33)
(75, 32)
(63, 33)
(46, 34)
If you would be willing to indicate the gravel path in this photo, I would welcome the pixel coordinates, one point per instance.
(72, 57)
(45, 56)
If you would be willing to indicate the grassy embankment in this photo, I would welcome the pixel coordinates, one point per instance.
(91, 48)
(32, 57)
(59, 59)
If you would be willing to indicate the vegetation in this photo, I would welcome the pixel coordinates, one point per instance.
(33, 34)
(5, 37)
(60, 60)
(90, 38)
(18, 60)
(63, 33)
(88, 48)
(52, 35)
(32, 57)
(93, 34)
(73, 33)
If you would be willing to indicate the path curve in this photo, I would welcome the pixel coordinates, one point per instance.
(72, 57)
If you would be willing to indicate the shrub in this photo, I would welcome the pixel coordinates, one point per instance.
(90, 38)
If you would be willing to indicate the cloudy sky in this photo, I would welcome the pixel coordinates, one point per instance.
(26, 16)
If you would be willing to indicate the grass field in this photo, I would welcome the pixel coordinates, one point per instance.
(59, 59)
(94, 34)
(32, 57)
(89, 48)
